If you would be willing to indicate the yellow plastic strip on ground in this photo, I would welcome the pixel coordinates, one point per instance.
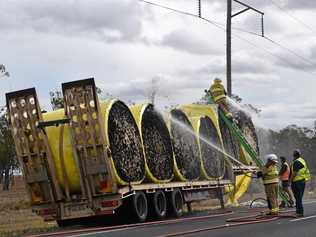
(241, 186)
(138, 111)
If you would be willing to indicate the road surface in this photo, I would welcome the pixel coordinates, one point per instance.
(289, 227)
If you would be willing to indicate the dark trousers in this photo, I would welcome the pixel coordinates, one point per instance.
(298, 188)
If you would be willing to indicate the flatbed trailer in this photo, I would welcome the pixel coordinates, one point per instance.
(136, 197)
(55, 202)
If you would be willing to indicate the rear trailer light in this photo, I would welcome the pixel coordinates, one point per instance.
(36, 194)
(47, 212)
(112, 203)
(105, 186)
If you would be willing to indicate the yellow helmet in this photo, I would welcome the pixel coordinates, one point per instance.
(217, 80)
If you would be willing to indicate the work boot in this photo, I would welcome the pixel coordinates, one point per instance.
(282, 205)
(272, 213)
(291, 204)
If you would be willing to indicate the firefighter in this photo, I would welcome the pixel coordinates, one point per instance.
(218, 94)
(299, 175)
(284, 175)
(269, 175)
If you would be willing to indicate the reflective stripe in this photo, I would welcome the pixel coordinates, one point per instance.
(217, 90)
(271, 176)
(275, 210)
(303, 173)
(218, 98)
(286, 175)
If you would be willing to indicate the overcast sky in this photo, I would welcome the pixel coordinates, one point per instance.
(127, 44)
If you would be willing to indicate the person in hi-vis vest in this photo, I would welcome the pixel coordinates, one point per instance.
(284, 175)
(219, 96)
(299, 175)
(270, 177)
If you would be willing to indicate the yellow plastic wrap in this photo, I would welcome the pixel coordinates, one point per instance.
(71, 170)
(105, 110)
(138, 112)
(195, 112)
(177, 173)
(53, 134)
(242, 182)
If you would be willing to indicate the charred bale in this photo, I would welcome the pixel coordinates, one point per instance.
(125, 144)
(185, 145)
(212, 158)
(157, 144)
(231, 145)
(247, 127)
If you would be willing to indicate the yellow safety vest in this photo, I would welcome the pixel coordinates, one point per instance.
(218, 92)
(271, 176)
(302, 174)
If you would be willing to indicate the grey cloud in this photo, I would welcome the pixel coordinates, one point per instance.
(293, 4)
(240, 65)
(189, 42)
(109, 20)
(306, 61)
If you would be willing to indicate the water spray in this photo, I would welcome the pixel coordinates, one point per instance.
(183, 126)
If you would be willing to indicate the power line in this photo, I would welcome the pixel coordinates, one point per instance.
(291, 51)
(222, 27)
(217, 24)
(287, 12)
(306, 60)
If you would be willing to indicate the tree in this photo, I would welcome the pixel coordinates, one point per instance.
(57, 99)
(8, 159)
(3, 71)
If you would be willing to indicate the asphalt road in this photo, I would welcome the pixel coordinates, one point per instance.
(290, 227)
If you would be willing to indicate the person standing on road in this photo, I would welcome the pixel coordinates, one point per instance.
(270, 177)
(284, 175)
(299, 175)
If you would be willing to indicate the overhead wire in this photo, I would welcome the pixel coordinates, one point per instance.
(222, 27)
(287, 12)
(302, 58)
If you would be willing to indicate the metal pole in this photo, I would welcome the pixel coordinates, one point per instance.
(229, 48)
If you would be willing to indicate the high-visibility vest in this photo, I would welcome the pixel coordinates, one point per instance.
(303, 173)
(271, 176)
(286, 175)
(218, 92)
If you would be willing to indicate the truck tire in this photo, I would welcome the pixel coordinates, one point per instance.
(64, 223)
(139, 206)
(158, 205)
(175, 203)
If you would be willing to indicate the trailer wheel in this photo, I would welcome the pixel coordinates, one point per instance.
(158, 205)
(175, 203)
(139, 206)
(64, 223)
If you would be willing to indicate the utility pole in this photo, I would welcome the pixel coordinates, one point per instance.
(230, 15)
(229, 48)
